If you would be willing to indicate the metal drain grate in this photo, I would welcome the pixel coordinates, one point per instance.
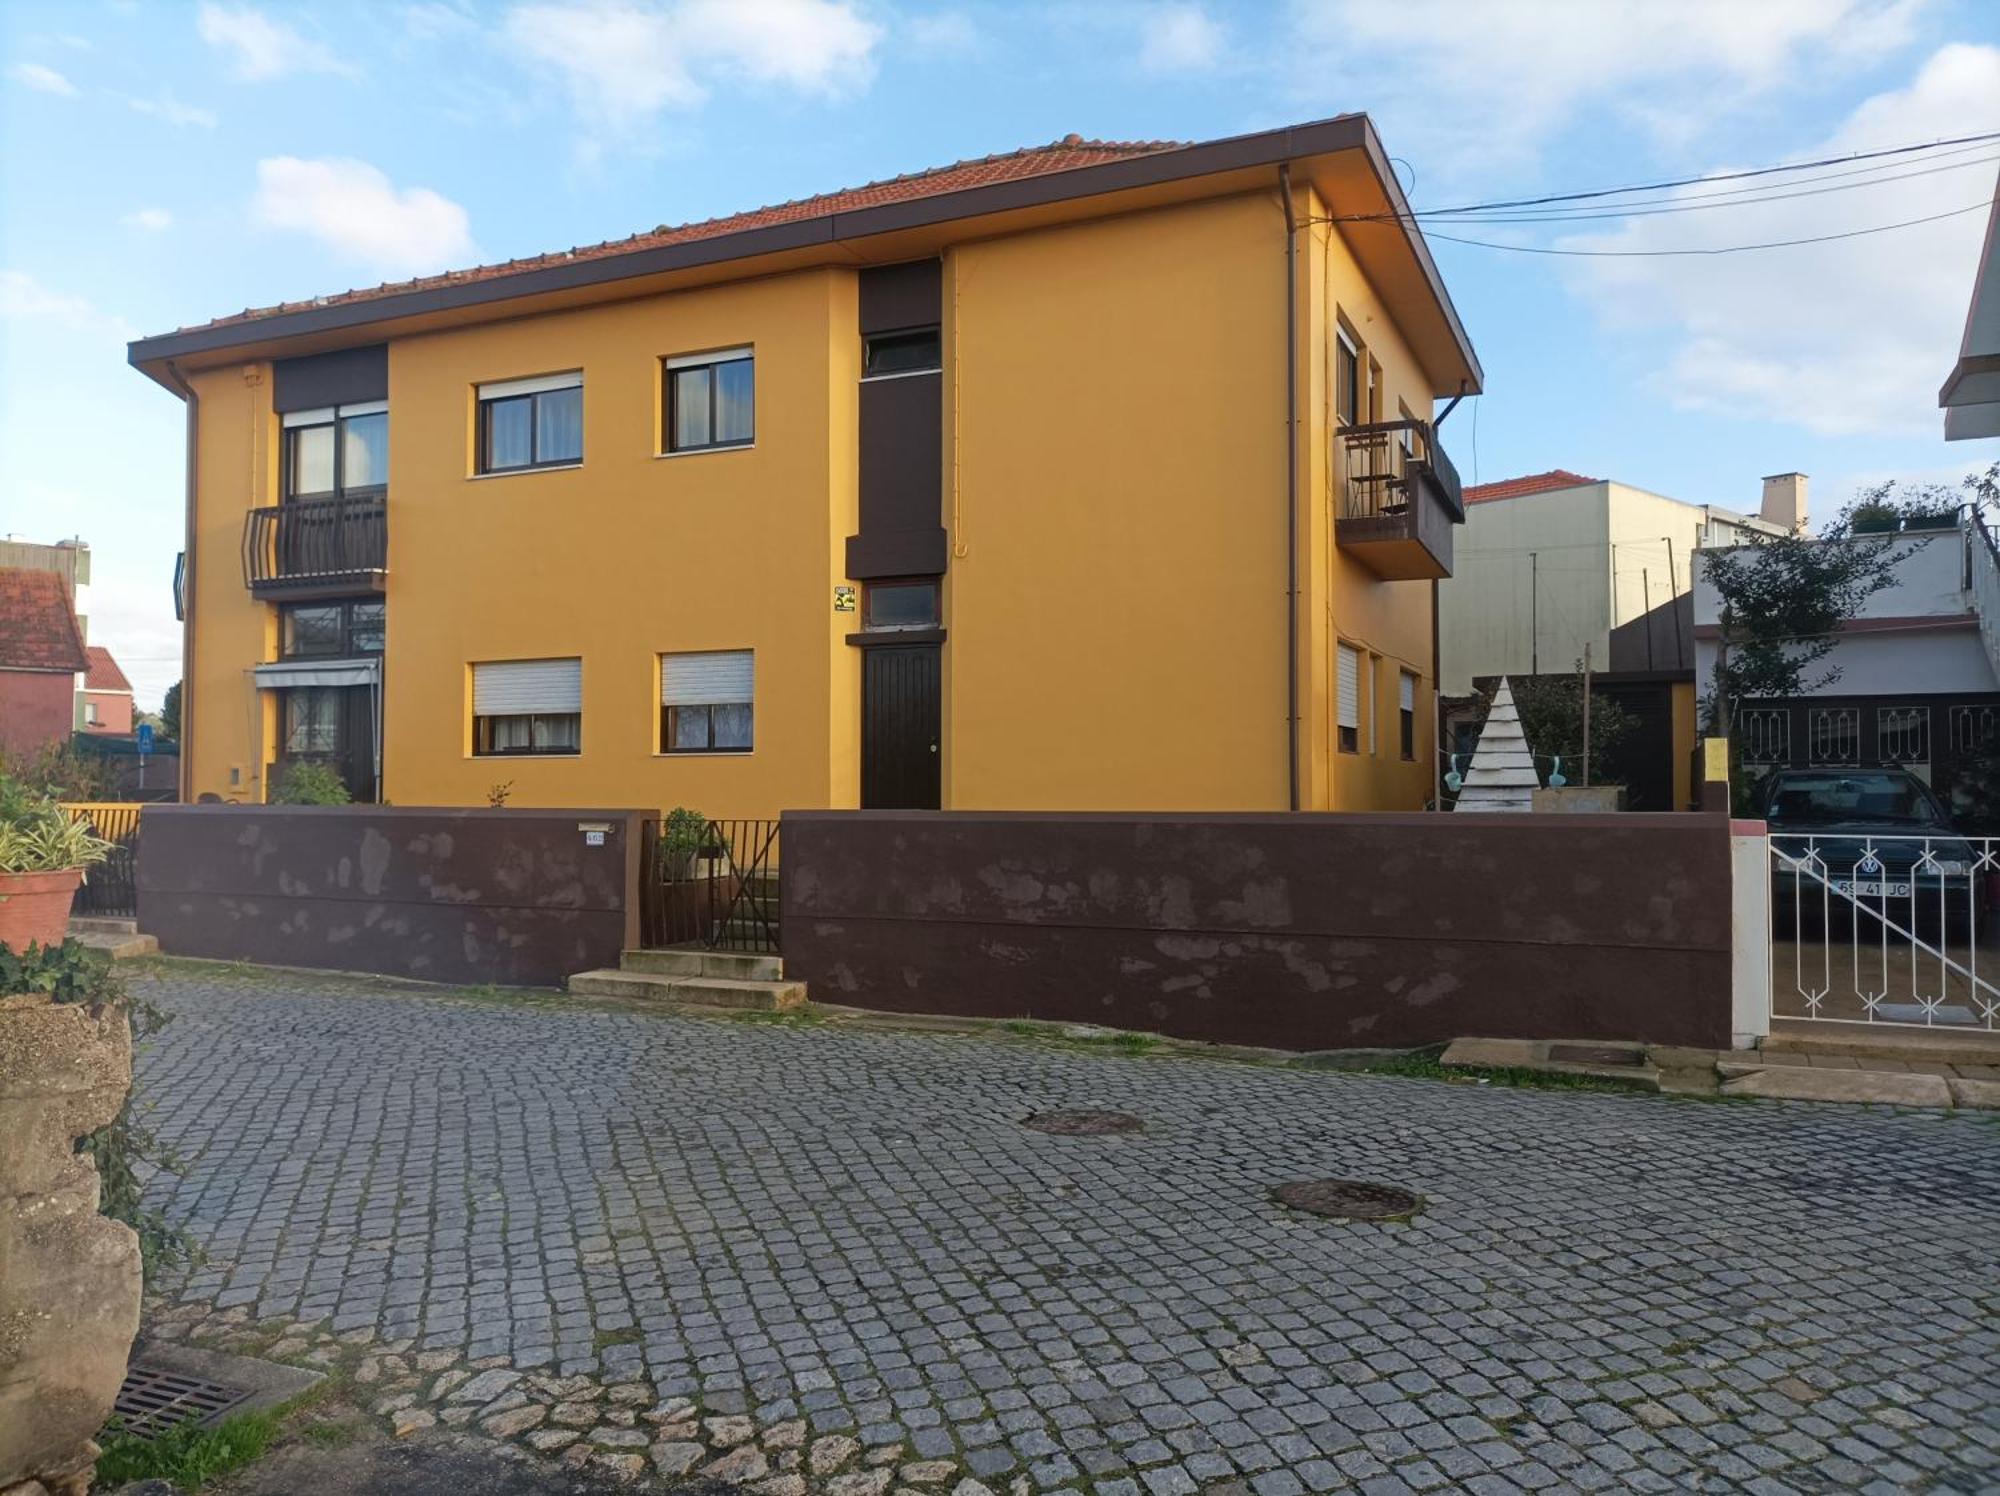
(1083, 1123)
(1597, 1054)
(153, 1401)
(1348, 1199)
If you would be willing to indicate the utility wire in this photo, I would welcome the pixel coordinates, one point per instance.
(1719, 249)
(1727, 176)
(1884, 172)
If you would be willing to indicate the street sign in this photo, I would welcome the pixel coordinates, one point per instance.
(145, 738)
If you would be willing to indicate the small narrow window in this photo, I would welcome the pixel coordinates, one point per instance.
(1407, 713)
(1347, 717)
(914, 351)
(312, 721)
(312, 631)
(711, 401)
(531, 423)
(1347, 380)
(1372, 706)
(527, 707)
(707, 701)
(902, 605)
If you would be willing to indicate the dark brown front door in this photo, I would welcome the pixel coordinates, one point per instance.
(900, 727)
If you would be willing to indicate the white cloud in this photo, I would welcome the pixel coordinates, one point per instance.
(165, 106)
(358, 213)
(260, 48)
(944, 33)
(1843, 337)
(25, 299)
(624, 61)
(1179, 38)
(152, 220)
(1484, 85)
(436, 21)
(42, 79)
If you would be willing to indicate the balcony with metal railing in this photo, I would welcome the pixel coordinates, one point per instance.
(1397, 498)
(307, 548)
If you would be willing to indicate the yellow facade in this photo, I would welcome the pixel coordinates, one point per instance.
(1113, 490)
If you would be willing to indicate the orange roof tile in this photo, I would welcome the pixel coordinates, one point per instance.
(104, 672)
(1514, 488)
(37, 624)
(1070, 152)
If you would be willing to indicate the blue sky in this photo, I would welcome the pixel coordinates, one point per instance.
(162, 163)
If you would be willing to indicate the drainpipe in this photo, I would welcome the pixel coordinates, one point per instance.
(1291, 485)
(193, 403)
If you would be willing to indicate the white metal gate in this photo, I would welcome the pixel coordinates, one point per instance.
(1885, 929)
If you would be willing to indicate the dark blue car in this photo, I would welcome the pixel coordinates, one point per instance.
(1877, 841)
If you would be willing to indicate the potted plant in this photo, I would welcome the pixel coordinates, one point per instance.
(43, 854)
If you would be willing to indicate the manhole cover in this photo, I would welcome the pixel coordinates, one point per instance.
(1081, 1123)
(1348, 1199)
(153, 1401)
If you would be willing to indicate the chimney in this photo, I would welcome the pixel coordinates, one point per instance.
(1785, 501)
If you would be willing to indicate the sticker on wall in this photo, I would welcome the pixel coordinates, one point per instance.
(843, 599)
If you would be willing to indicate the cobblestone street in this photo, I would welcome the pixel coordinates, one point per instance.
(851, 1227)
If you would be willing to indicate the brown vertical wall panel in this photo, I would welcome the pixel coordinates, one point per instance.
(1300, 932)
(507, 896)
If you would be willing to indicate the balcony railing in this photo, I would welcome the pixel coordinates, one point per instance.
(1399, 496)
(317, 546)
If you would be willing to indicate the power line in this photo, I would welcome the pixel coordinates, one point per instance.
(1727, 176)
(1719, 249)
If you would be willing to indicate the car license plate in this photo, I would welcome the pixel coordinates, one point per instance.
(1871, 888)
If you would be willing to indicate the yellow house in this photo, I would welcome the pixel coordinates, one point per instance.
(1094, 476)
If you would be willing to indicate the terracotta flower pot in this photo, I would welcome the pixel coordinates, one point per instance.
(34, 907)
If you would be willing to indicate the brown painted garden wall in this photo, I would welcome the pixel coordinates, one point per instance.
(506, 896)
(1299, 932)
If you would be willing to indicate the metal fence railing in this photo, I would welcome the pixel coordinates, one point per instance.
(714, 884)
(1885, 929)
(111, 889)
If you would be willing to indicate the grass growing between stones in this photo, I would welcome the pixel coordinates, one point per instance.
(189, 1454)
(1424, 1064)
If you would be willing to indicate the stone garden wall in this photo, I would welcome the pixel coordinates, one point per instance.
(69, 1277)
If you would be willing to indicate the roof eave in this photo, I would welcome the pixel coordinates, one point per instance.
(1267, 148)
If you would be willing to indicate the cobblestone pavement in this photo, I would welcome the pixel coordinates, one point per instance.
(852, 1228)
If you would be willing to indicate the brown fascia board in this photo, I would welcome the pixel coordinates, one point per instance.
(1347, 132)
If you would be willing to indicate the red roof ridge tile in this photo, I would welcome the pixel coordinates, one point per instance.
(1531, 483)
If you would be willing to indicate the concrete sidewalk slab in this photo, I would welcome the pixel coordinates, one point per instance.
(1863, 1086)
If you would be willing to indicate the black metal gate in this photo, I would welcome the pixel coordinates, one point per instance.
(901, 726)
(110, 889)
(714, 884)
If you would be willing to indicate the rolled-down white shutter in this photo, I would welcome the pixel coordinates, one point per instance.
(506, 688)
(540, 385)
(1350, 686)
(716, 678)
(1407, 692)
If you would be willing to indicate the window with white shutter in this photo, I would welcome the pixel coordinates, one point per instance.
(1406, 702)
(707, 701)
(1372, 701)
(1348, 703)
(527, 706)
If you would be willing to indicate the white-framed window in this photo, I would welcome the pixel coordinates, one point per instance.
(1406, 713)
(711, 400)
(708, 701)
(1373, 704)
(531, 423)
(524, 707)
(1347, 702)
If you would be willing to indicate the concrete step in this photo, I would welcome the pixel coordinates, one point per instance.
(1619, 1062)
(102, 924)
(702, 991)
(700, 963)
(1802, 1083)
(119, 947)
(1884, 1042)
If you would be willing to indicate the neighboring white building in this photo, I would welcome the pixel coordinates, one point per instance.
(1917, 685)
(1971, 396)
(1547, 564)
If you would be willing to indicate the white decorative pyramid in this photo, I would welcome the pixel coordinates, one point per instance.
(1502, 776)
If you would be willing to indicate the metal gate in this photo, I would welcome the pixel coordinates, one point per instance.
(1885, 930)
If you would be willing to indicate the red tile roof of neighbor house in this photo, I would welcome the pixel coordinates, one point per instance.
(1031, 161)
(37, 624)
(1514, 488)
(104, 672)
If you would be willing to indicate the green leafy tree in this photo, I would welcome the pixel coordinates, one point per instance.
(1551, 711)
(309, 783)
(170, 714)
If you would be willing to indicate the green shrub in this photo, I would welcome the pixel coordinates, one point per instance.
(682, 835)
(189, 1454)
(38, 836)
(308, 783)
